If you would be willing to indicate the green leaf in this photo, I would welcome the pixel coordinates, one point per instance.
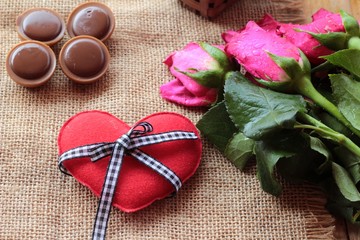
(323, 67)
(216, 125)
(337, 204)
(333, 40)
(345, 183)
(346, 92)
(267, 157)
(350, 162)
(318, 146)
(256, 110)
(298, 165)
(239, 150)
(309, 159)
(348, 59)
(350, 23)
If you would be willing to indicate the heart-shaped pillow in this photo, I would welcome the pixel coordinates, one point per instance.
(138, 185)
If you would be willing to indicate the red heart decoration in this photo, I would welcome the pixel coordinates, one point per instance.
(138, 186)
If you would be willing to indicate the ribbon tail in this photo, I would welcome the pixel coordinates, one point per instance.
(107, 194)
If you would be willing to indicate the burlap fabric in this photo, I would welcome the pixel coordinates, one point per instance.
(218, 202)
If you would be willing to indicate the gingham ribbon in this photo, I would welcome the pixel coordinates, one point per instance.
(126, 144)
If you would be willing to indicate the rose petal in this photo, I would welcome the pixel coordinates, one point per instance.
(228, 35)
(175, 91)
(269, 24)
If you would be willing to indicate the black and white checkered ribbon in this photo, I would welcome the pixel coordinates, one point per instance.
(126, 144)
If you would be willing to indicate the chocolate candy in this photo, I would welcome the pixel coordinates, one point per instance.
(84, 59)
(40, 24)
(31, 63)
(93, 19)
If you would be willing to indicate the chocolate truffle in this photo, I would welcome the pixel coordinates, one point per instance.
(93, 19)
(40, 24)
(31, 63)
(84, 59)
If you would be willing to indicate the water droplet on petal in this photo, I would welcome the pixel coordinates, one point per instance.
(259, 45)
(256, 52)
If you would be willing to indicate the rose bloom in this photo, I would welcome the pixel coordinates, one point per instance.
(323, 21)
(251, 48)
(183, 89)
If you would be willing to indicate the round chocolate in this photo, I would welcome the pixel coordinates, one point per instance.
(84, 59)
(31, 63)
(93, 19)
(40, 24)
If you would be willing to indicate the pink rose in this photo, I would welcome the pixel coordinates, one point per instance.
(251, 48)
(323, 21)
(185, 89)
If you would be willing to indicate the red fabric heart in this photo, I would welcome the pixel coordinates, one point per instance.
(138, 186)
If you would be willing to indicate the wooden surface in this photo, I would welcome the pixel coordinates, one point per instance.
(344, 230)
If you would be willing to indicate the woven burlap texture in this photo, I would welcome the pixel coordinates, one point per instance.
(218, 202)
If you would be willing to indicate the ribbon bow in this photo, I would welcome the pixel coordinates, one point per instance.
(126, 144)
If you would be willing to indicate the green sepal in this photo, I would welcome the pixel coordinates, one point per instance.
(354, 43)
(218, 55)
(333, 40)
(350, 23)
(211, 78)
(291, 67)
(207, 78)
(305, 62)
(280, 86)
